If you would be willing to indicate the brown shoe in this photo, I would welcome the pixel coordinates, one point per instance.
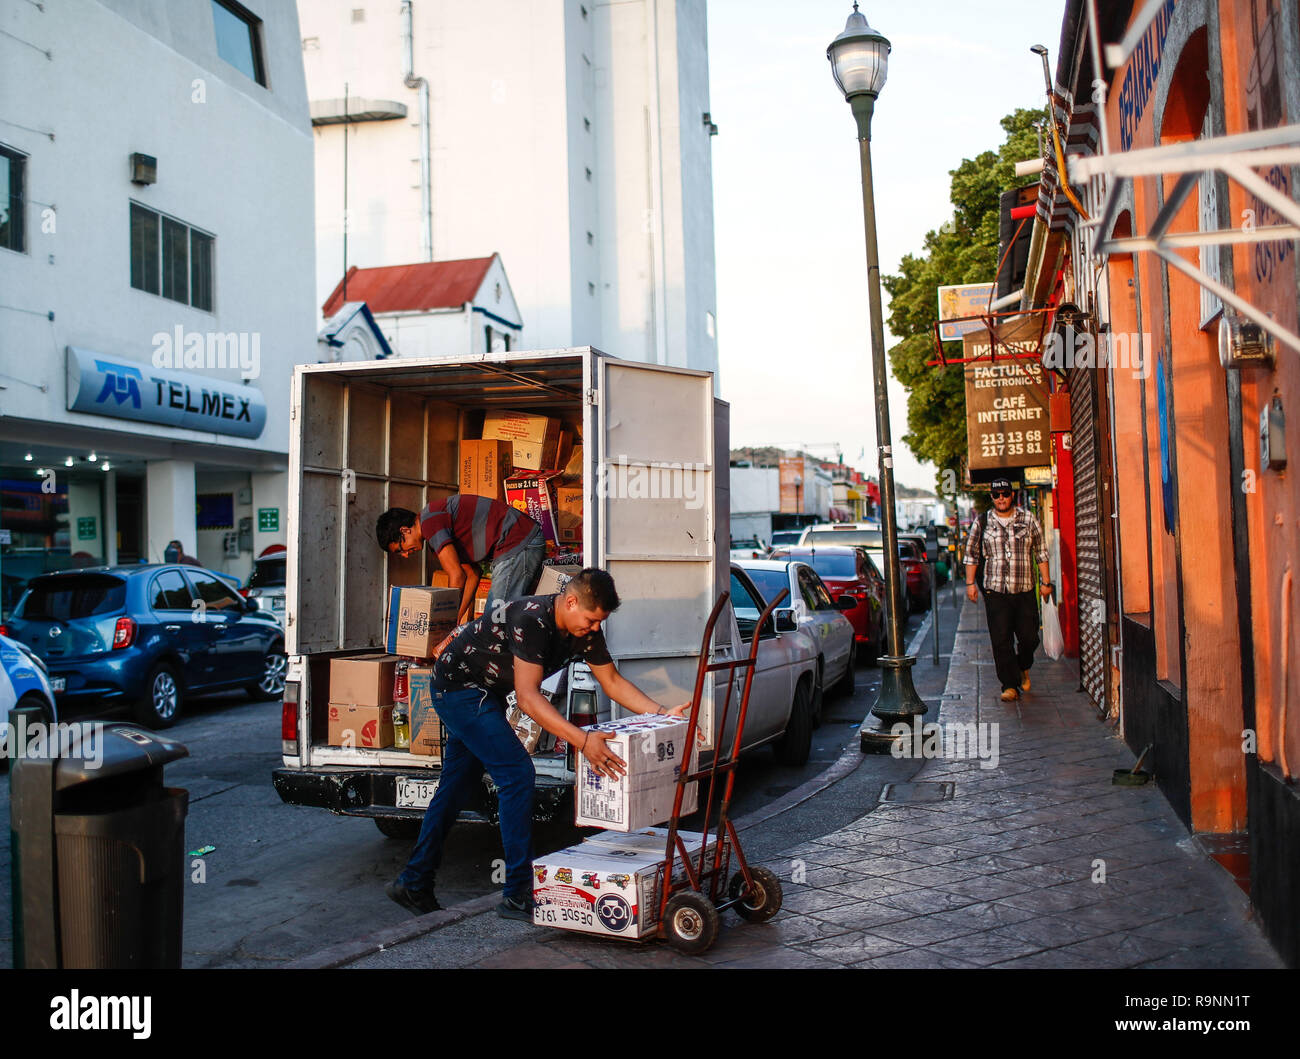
(1024, 680)
(1010, 694)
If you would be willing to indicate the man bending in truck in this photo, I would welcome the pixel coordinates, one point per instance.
(462, 530)
(533, 637)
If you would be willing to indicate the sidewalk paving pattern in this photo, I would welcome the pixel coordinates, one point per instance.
(1038, 862)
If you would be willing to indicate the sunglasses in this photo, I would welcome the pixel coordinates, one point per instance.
(1000, 493)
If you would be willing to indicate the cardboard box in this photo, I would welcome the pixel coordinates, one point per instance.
(427, 733)
(534, 439)
(655, 750)
(554, 578)
(419, 617)
(602, 886)
(484, 467)
(439, 579)
(481, 595)
(572, 467)
(533, 493)
(534, 737)
(568, 511)
(370, 726)
(362, 680)
(564, 450)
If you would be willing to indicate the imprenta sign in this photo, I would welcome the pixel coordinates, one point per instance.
(127, 389)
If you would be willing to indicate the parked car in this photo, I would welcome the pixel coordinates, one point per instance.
(266, 584)
(785, 675)
(748, 548)
(145, 637)
(785, 538)
(940, 557)
(818, 615)
(856, 586)
(24, 681)
(914, 571)
(866, 534)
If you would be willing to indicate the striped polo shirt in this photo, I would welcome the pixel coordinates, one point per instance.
(480, 527)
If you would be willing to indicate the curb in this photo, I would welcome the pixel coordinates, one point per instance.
(350, 951)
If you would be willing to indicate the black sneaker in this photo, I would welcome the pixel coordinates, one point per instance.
(418, 902)
(520, 908)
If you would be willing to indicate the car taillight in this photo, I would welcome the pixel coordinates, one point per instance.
(123, 632)
(289, 720)
(244, 592)
(4, 630)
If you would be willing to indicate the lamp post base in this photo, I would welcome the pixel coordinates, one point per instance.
(897, 703)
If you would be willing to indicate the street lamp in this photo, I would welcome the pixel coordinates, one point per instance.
(859, 59)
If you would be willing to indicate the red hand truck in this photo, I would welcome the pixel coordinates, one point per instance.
(691, 902)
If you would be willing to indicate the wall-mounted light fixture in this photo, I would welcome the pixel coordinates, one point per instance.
(1244, 343)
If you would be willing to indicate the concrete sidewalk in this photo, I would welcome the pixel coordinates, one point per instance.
(1037, 862)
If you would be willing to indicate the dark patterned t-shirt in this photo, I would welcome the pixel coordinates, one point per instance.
(483, 653)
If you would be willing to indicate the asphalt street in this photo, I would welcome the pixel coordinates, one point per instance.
(285, 881)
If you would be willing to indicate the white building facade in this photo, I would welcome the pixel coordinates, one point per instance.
(572, 138)
(156, 263)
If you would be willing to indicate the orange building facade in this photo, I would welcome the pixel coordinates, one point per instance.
(1184, 157)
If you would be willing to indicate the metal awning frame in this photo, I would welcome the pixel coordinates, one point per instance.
(1236, 157)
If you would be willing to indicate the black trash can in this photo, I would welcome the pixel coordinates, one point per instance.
(98, 849)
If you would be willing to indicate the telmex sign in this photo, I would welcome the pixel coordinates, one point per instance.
(128, 389)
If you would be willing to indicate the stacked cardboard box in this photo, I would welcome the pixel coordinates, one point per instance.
(427, 732)
(484, 467)
(655, 751)
(419, 617)
(361, 700)
(534, 439)
(608, 884)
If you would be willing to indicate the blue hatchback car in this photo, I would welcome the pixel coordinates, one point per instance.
(145, 637)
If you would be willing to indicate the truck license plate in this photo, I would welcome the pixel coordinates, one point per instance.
(58, 683)
(415, 794)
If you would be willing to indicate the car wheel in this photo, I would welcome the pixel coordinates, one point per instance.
(163, 697)
(763, 902)
(398, 827)
(846, 682)
(795, 745)
(271, 683)
(690, 922)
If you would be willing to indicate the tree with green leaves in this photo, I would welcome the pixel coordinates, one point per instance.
(963, 250)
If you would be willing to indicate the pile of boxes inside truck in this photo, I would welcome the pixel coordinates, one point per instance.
(531, 462)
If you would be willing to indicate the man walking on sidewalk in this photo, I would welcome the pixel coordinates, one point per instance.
(1009, 540)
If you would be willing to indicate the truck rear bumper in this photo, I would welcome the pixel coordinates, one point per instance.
(353, 791)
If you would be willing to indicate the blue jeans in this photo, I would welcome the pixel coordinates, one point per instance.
(478, 739)
(515, 574)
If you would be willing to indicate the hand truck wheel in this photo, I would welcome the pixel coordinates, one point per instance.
(690, 922)
(762, 904)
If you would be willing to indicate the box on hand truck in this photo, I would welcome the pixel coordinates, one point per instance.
(664, 882)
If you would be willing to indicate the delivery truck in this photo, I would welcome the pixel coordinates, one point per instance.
(653, 509)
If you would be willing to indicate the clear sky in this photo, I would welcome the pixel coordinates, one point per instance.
(793, 333)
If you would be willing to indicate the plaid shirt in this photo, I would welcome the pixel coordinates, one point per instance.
(1011, 551)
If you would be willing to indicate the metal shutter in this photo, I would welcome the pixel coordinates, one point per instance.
(1092, 585)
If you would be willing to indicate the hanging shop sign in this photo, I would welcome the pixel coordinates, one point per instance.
(966, 299)
(130, 389)
(1007, 424)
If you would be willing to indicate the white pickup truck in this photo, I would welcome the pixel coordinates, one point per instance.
(369, 435)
